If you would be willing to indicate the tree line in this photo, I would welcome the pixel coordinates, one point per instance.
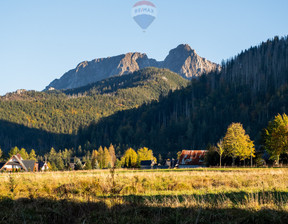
(237, 144)
(103, 158)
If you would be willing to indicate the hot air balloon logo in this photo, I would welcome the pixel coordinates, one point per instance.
(144, 13)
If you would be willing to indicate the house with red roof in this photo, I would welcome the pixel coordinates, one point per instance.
(192, 159)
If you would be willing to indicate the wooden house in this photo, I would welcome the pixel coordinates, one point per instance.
(192, 158)
(16, 163)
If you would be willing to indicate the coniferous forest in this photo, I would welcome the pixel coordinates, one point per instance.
(154, 108)
(251, 89)
(42, 120)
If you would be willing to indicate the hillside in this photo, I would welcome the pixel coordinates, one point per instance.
(63, 112)
(251, 89)
(182, 60)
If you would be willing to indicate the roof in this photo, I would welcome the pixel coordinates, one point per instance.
(13, 163)
(29, 164)
(17, 162)
(192, 157)
(18, 156)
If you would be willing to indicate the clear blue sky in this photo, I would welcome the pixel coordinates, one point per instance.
(42, 39)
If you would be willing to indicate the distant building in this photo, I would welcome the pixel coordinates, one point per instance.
(147, 164)
(192, 158)
(71, 164)
(42, 166)
(16, 163)
(170, 163)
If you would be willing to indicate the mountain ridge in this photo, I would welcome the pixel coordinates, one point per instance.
(252, 88)
(182, 60)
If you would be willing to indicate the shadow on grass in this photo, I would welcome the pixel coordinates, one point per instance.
(235, 197)
(132, 209)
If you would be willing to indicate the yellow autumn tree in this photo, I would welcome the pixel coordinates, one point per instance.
(145, 154)
(32, 155)
(129, 159)
(94, 162)
(237, 143)
(220, 150)
(101, 159)
(276, 137)
(24, 154)
(112, 155)
(107, 158)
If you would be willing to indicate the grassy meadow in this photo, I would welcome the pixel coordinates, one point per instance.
(160, 196)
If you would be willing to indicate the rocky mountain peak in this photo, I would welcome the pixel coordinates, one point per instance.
(182, 60)
(185, 61)
(183, 48)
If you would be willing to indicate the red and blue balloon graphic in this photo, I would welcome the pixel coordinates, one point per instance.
(144, 13)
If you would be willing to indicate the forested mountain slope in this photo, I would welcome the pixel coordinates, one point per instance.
(251, 89)
(63, 112)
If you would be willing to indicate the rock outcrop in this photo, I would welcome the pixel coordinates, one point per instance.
(182, 60)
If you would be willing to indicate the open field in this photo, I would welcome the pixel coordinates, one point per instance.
(161, 196)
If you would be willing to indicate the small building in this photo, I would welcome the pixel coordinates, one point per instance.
(71, 164)
(16, 163)
(42, 166)
(192, 159)
(147, 164)
(170, 163)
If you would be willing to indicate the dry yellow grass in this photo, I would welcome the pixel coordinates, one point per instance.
(175, 196)
(98, 183)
